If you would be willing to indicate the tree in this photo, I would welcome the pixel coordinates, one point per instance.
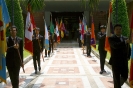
(35, 5)
(91, 4)
(120, 15)
(18, 17)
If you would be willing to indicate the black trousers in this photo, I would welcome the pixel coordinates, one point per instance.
(79, 42)
(36, 56)
(102, 54)
(88, 49)
(120, 72)
(52, 47)
(14, 75)
(48, 51)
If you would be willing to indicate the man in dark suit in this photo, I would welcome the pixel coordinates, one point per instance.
(37, 48)
(55, 40)
(88, 42)
(120, 54)
(52, 42)
(78, 37)
(14, 56)
(102, 53)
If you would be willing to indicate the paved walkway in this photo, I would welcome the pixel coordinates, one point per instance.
(66, 68)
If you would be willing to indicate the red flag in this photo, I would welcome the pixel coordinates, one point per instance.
(93, 40)
(30, 25)
(131, 65)
(57, 32)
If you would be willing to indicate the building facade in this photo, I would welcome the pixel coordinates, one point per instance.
(75, 6)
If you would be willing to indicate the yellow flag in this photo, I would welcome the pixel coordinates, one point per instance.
(62, 34)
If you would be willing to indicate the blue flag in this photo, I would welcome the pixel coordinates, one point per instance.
(4, 21)
(3, 71)
(46, 42)
(5, 14)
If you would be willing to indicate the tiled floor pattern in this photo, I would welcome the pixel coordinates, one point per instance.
(66, 68)
(62, 82)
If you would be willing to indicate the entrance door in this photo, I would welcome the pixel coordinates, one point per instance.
(71, 22)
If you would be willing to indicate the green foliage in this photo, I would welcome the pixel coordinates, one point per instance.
(26, 53)
(35, 5)
(122, 17)
(91, 4)
(18, 18)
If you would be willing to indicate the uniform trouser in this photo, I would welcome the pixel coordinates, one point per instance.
(119, 73)
(14, 75)
(79, 42)
(48, 51)
(36, 56)
(52, 47)
(88, 49)
(102, 54)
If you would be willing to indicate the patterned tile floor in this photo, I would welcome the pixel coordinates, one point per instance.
(66, 68)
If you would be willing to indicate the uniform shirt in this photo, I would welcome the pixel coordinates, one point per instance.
(13, 39)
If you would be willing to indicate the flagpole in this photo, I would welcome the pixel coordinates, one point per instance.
(22, 65)
(116, 11)
(12, 12)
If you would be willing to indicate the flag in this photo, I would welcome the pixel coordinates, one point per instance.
(131, 69)
(57, 32)
(62, 34)
(60, 26)
(85, 24)
(4, 22)
(86, 27)
(80, 22)
(93, 40)
(61, 29)
(51, 27)
(82, 30)
(29, 27)
(3, 69)
(46, 43)
(80, 27)
(131, 65)
(5, 14)
(3, 48)
(108, 30)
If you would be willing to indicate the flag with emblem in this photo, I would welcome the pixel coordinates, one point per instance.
(4, 22)
(29, 27)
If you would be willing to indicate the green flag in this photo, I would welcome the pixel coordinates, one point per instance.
(51, 28)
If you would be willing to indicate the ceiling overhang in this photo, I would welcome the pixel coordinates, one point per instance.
(73, 5)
